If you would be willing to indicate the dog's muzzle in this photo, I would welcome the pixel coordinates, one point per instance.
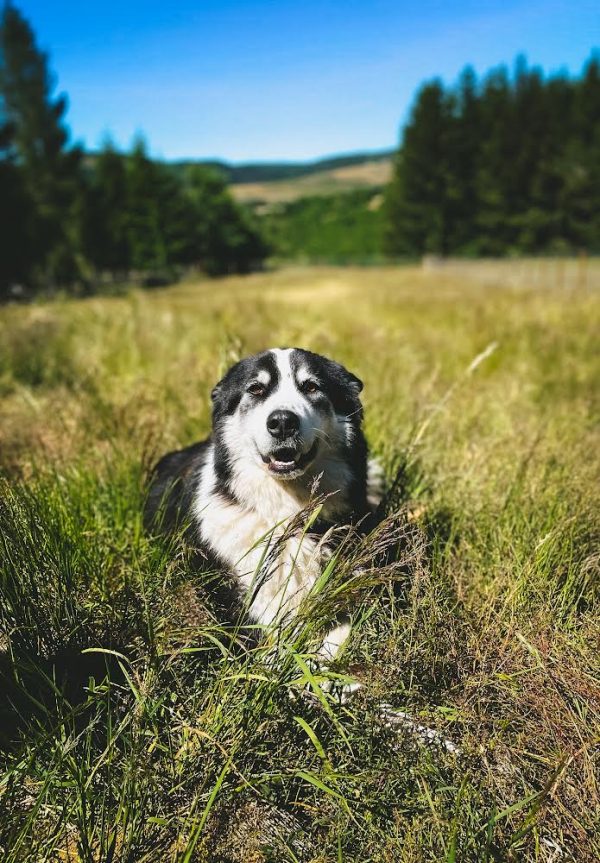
(288, 462)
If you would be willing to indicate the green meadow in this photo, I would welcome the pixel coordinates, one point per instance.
(137, 720)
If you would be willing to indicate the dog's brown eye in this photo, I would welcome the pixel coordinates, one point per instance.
(256, 389)
(310, 387)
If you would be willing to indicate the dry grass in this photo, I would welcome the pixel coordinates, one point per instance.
(370, 174)
(481, 388)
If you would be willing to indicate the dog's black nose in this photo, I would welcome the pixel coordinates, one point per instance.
(282, 424)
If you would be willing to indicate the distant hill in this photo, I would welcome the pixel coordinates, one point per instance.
(368, 174)
(267, 172)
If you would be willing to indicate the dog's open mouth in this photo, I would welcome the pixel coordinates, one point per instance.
(287, 462)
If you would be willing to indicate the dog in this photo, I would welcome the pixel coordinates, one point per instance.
(286, 431)
(286, 428)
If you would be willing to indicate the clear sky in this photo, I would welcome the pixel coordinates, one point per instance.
(257, 80)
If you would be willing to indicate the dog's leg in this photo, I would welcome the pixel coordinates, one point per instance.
(334, 641)
(376, 483)
(332, 645)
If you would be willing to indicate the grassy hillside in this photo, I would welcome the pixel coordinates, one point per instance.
(250, 173)
(329, 180)
(131, 729)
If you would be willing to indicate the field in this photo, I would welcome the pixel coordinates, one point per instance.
(329, 181)
(137, 723)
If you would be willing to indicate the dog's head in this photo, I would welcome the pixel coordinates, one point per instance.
(285, 409)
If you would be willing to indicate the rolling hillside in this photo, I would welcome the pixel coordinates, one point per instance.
(282, 182)
(367, 174)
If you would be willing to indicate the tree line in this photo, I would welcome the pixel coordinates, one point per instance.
(508, 164)
(72, 220)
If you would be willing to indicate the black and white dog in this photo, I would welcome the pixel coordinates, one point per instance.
(286, 427)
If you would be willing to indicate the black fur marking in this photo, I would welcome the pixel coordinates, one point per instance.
(228, 393)
(224, 492)
(172, 487)
(340, 385)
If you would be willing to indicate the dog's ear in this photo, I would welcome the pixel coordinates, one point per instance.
(342, 376)
(220, 396)
(344, 389)
(227, 393)
(356, 383)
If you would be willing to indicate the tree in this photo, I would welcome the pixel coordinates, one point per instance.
(50, 170)
(62, 221)
(417, 201)
(143, 218)
(581, 191)
(462, 163)
(508, 166)
(159, 217)
(496, 152)
(143, 215)
(104, 217)
(16, 214)
(225, 238)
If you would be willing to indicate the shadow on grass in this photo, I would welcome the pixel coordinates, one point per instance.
(35, 693)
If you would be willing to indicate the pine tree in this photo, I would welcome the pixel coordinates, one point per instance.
(16, 215)
(508, 166)
(494, 175)
(50, 169)
(417, 203)
(226, 238)
(143, 219)
(159, 216)
(582, 162)
(104, 217)
(462, 158)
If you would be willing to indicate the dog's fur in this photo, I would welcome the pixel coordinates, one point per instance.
(286, 427)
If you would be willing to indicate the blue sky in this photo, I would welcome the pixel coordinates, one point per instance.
(256, 80)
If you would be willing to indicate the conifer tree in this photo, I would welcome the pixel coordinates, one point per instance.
(143, 219)
(159, 216)
(16, 216)
(417, 202)
(226, 239)
(104, 218)
(496, 151)
(50, 169)
(508, 166)
(582, 163)
(462, 158)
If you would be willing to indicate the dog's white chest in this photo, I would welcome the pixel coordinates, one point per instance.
(275, 572)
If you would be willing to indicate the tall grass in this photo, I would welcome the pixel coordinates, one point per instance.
(142, 721)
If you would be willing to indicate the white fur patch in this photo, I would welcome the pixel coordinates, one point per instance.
(242, 537)
(376, 483)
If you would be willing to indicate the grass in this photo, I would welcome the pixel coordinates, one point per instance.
(137, 723)
(370, 174)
